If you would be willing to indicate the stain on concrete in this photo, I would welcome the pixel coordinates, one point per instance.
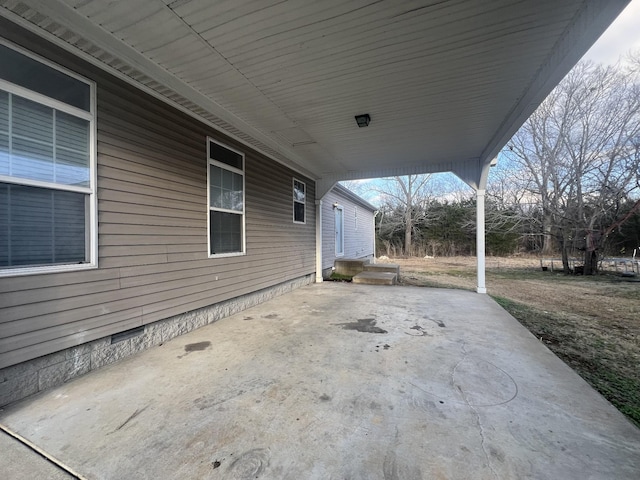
(427, 405)
(421, 331)
(497, 454)
(131, 417)
(392, 469)
(196, 347)
(208, 402)
(364, 325)
(249, 465)
(325, 398)
(481, 383)
(248, 318)
(440, 323)
(271, 316)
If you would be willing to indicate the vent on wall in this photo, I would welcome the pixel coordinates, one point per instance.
(127, 334)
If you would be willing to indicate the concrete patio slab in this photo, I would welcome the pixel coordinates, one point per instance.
(19, 462)
(339, 381)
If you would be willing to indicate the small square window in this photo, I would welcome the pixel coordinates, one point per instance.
(299, 201)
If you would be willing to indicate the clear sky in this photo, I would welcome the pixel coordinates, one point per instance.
(622, 36)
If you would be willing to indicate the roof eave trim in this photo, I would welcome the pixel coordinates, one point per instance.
(48, 8)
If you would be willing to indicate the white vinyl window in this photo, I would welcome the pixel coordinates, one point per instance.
(299, 201)
(48, 218)
(339, 222)
(225, 180)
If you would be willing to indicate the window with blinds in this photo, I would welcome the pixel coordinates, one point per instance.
(225, 178)
(47, 191)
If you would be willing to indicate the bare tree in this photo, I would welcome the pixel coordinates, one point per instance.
(359, 187)
(577, 155)
(410, 194)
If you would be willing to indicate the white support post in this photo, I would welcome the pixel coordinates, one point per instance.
(480, 241)
(318, 241)
(475, 174)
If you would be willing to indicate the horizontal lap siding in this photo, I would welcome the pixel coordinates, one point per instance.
(357, 243)
(329, 228)
(152, 204)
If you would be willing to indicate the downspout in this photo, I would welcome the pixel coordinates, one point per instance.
(319, 241)
(375, 214)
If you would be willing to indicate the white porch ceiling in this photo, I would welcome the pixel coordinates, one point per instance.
(446, 82)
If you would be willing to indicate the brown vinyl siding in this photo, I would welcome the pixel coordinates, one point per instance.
(357, 243)
(152, 235)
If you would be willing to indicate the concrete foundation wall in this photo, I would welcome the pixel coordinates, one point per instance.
(27, 378)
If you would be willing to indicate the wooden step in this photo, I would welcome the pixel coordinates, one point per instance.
(376, 278)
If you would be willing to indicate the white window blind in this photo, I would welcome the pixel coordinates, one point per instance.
(226, 200)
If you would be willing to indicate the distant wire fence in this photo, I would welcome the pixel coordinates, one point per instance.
(620, 265)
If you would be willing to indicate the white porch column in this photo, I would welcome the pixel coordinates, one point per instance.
(480, 246)
(318, 241)
(475, 174)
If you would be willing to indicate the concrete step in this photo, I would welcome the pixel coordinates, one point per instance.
(376, 278)
(349, 266)
(383, 267)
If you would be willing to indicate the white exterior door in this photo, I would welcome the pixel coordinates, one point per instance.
(339, 215)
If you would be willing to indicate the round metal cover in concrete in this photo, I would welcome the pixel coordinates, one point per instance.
(339, 381)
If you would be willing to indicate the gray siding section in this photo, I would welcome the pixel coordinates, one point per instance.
(152, 205)
(358, 242)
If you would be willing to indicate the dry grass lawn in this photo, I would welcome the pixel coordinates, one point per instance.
(592, 323)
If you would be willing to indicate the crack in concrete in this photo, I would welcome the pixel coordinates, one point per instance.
(483, 438)
(483, 441)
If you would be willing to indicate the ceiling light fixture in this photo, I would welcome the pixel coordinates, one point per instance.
(363, 120)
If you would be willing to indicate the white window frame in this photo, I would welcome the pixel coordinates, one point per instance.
(225, 166)
(304, 203)
(341, 208)
(91, 242)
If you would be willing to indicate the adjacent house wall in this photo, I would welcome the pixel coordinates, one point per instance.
(358, 242)
(152, 213)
